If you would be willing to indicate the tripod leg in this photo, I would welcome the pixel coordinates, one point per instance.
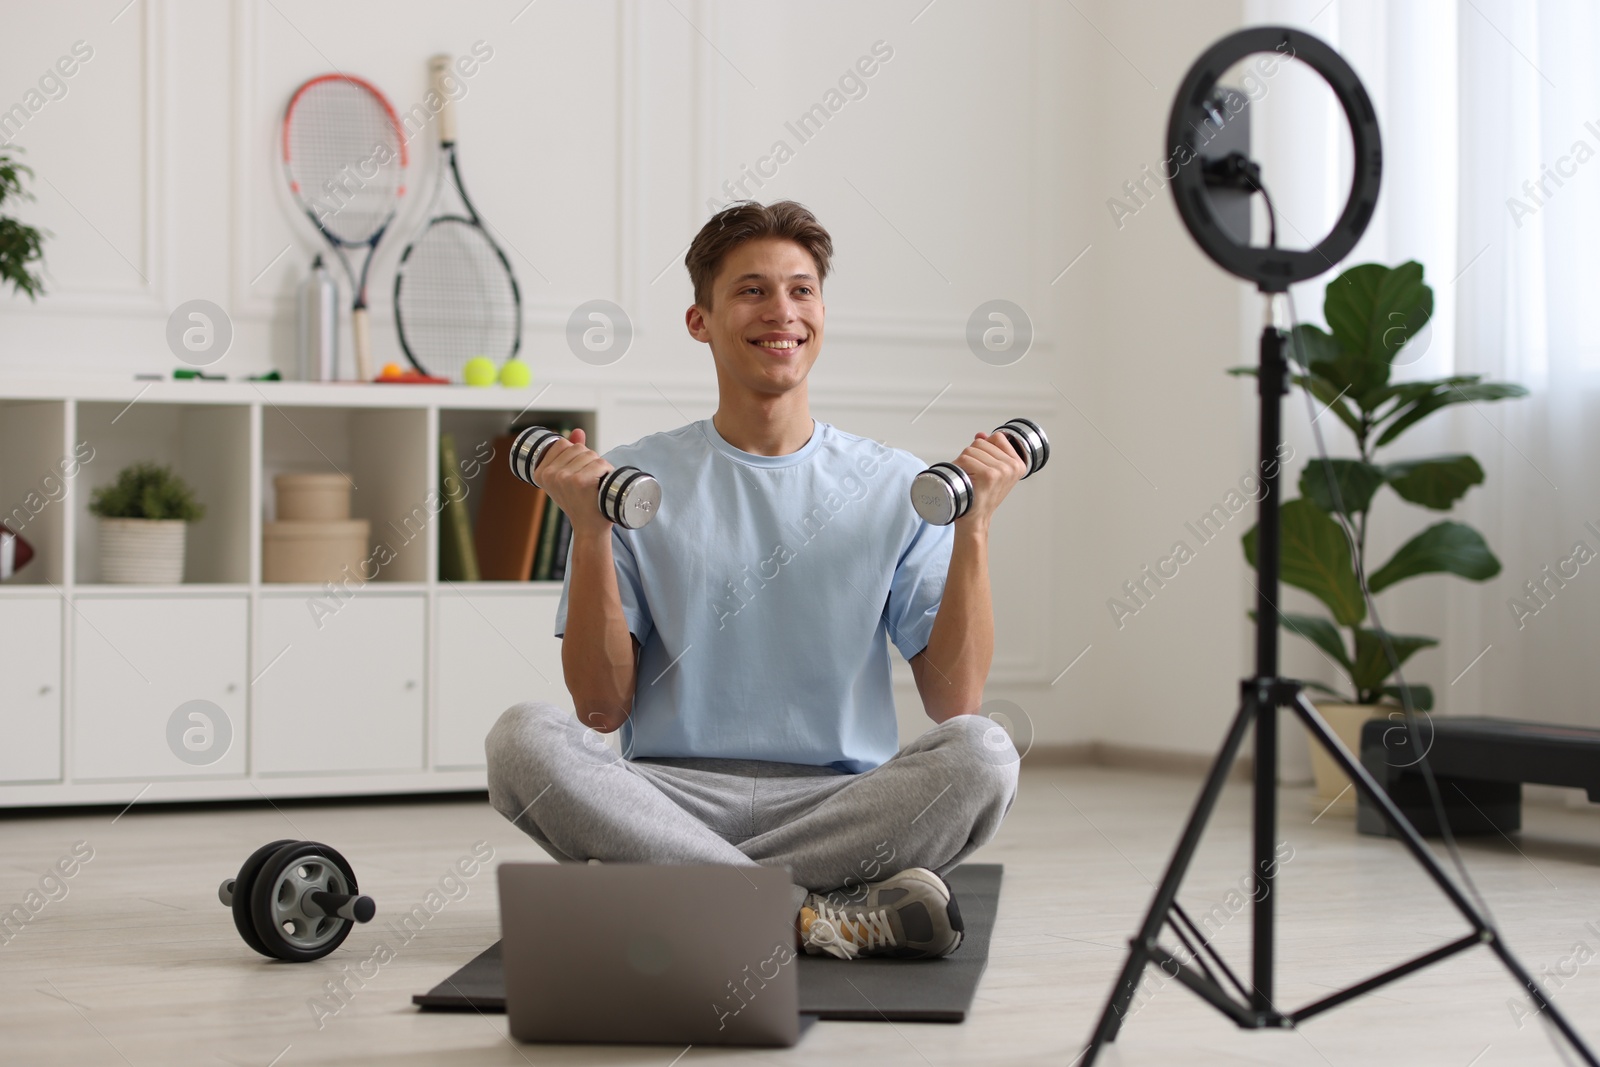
(1121, 996)
(1369, 787)
(1514, 965)
(1138, 953)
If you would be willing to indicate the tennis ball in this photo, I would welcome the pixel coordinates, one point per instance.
(515, 374)
(478, 371)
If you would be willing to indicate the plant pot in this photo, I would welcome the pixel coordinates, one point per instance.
(1345, 720)
(142, 551)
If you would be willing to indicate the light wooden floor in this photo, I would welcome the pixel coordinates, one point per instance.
(139, 964)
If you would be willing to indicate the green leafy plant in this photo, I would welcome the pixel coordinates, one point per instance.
(146, 491)
(1372, 312)
(21, 246)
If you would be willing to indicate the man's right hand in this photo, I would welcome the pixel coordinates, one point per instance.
(570, 472)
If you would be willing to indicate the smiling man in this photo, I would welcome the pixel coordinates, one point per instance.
(739, 641)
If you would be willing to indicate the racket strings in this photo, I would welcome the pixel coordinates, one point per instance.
(343, 155)
(455, 299)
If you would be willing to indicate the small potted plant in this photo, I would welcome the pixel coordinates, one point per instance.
(1372, 311)
(144, 516)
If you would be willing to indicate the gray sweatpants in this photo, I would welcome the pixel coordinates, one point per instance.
(933, 804)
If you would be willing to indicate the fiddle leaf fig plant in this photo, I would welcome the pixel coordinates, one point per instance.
(1373, 312)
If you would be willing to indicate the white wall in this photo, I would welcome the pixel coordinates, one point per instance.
(977, 165)
(1172, 433)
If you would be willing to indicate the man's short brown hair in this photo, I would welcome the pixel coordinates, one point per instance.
(750, 221)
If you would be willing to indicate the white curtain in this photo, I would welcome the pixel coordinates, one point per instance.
(1490, 113)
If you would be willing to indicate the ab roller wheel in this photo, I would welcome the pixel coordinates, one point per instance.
(943, 493)
(628, 496)
(295, 900)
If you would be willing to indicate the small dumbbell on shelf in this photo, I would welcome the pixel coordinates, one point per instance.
(295, 900)
(943, 493)
(628, 496)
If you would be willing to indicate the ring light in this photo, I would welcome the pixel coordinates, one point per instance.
(1272, 269)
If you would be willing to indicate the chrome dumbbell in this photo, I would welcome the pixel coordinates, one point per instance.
(943, 493)
(628, 496)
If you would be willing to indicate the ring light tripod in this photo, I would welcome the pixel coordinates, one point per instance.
(1274, 270)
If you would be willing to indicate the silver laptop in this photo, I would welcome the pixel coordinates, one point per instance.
(615, 953)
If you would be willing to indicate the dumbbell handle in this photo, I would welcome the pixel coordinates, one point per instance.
(343, 905)
(628, 496)
(943, 493)
(359, 908)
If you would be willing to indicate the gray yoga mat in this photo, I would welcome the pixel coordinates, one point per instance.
(861, 990)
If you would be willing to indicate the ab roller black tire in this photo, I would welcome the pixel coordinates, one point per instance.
(943, 493)
(295, 900)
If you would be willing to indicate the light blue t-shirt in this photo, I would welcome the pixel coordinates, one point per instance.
(763, 592)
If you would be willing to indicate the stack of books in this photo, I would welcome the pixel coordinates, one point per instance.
(520, 534)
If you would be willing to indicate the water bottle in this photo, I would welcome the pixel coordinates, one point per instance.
(318, 315)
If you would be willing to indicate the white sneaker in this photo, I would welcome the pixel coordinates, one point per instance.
(910, 915)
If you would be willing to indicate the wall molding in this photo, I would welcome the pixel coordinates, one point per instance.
(149, 296)
(1133, 758)
(885, 394)
(630, 106)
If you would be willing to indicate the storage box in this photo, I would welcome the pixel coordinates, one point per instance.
(308, 497)
(316, 551)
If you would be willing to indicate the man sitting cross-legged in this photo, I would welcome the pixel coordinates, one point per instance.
(740, 640)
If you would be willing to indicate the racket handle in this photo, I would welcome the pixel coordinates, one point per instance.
(363, 338)
(439, 75)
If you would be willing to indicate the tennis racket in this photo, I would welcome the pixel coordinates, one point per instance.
(345, 157)
(455, 296)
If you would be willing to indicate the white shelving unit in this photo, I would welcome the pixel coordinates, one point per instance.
(225, 686)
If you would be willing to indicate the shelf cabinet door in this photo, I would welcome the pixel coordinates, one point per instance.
(30, 689)
(495, 650)
(158, 686)
(342, 690)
